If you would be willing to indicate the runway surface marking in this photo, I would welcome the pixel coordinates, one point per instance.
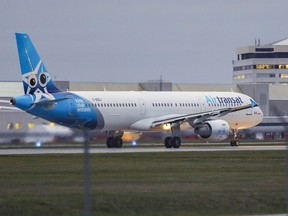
(135, 150)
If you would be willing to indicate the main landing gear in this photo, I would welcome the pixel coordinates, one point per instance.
(174, 142)
(114, 142)
(114, 139)
(234, 138)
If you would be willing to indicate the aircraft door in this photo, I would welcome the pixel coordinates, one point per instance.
(142, 106)
(200, 105)
(72, 106)
(249, 111)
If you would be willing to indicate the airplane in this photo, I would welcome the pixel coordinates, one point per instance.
(214, 116)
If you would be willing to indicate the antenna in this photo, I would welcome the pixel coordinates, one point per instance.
(161, 83)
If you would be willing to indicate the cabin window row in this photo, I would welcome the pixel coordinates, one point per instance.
(113, 105)
(175, 104)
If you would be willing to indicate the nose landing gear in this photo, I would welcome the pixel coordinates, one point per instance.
(234, 138)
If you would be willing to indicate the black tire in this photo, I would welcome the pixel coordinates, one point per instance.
(118, 142)
(168, 142)
(234, 143)
(176, 141)
(110, 142)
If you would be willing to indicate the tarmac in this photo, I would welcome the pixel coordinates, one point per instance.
(137, 149)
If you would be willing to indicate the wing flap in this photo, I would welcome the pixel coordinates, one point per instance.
(148, 123)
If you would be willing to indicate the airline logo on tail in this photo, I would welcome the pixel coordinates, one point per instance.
(42, 98)
(34, 73)
(35, 78)
(37, 82)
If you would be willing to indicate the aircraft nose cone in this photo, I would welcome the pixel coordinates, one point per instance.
(260, 114)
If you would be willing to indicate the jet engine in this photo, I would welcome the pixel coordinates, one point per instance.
(214, 130)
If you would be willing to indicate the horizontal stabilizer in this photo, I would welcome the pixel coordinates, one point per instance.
(9, 108)
(49, 102)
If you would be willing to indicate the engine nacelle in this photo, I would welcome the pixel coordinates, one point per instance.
(214, 130)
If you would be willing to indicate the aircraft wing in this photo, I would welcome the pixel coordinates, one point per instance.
(195, 118)
(199, 117)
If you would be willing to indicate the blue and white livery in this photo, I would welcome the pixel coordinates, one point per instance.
(124, 115)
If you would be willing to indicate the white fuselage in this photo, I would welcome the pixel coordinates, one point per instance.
(121, 110)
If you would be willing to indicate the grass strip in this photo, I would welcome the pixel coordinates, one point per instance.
(171, 183)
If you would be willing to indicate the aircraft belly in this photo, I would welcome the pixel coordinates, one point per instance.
(118, 121)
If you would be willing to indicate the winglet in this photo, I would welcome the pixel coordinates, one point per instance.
(253, 103)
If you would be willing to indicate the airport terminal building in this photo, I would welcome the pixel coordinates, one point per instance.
(260, 71)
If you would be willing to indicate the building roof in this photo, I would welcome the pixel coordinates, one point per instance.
(278, 43)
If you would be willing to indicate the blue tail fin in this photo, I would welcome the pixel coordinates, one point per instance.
(34, 74)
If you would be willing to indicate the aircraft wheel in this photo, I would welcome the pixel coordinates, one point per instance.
(118, 142)
(110, 142)
(176, 142)
(168, 142)
(234, 138)
(234, 143)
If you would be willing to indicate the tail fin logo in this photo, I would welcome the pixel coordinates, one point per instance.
(36, 80)
(35, 77)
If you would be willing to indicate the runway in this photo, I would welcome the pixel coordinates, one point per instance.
(39, 151)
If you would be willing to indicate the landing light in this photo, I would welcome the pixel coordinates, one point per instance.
(167, 126)
(52, 124)
(38, 144)
(134, 143)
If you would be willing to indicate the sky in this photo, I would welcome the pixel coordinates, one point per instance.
(184, 41)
